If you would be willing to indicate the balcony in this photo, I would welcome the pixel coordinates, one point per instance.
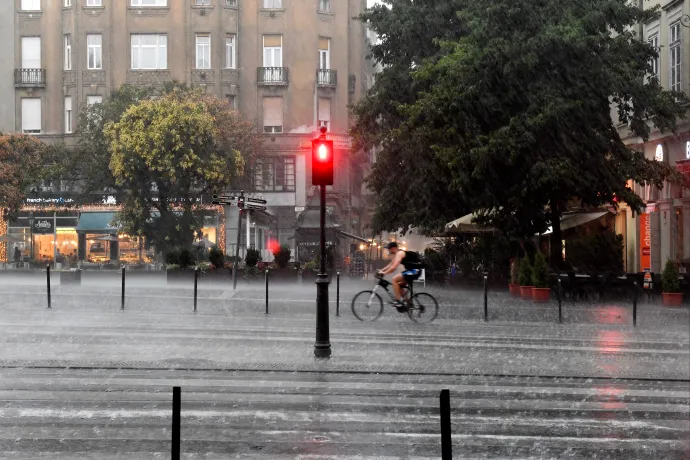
(29, 78)
(272, 76)
(351, 83)
(326, 78)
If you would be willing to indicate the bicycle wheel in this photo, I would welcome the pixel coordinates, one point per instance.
(424, 308)
(367, 306)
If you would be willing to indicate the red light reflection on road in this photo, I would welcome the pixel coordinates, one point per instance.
(610, 342)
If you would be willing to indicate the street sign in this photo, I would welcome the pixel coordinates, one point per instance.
(256, 200)
(254, 207)
(225, 203)
(227, 197)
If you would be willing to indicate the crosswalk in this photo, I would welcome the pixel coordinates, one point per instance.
(114, 414)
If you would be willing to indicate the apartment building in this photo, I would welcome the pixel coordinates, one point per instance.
(662, 232)
(291, 66)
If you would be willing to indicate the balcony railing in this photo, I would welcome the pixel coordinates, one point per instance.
(29, 78)
(272, 76)
(326, 77)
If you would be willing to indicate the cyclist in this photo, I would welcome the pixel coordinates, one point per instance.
(412, 262)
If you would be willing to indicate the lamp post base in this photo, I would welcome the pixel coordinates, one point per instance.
(322, 346)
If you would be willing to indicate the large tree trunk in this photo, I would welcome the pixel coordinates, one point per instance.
(556, 238)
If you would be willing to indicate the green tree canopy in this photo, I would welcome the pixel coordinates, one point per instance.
(21, 167)
(168, 152)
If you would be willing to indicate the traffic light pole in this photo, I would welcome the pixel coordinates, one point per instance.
(322, 346)
(235, 264)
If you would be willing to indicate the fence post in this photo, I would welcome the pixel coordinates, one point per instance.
(486, 300)
(122, 306)
(635, 287)
(337, 294)
(48, 281)
(267, 291)
(196, 283)
(446, 441)
(560, 300)
(175, 451)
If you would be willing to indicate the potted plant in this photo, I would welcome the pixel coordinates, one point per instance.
(514, 285)
(670, 285)
(525, 278)
(540, 279)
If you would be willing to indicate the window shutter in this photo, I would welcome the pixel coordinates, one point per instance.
(31, 114)
(31, 52)
(273, 111)
(273, 41)
(324, 109)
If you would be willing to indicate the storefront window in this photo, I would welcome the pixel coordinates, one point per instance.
(98, 248)
(133, 250)
(210, 234)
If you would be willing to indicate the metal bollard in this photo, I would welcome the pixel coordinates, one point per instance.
(635, 287)
(267, 291)
(122, 306)
(177, 402)
(446, 441)
(560, 301)
(48, 280)
(196, 282)
(486, 300)
(337, 294)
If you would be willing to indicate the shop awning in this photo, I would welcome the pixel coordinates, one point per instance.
(97, 222)
(354, 237)
(576, 219)
(465, 225)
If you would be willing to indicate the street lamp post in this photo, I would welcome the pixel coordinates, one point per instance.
(31, 235)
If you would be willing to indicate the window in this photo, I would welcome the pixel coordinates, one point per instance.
(275, 174)
(203, 2)
(654, 43)
(68, 52)
(31, 5)
(94, 2)
(324, 113)
(149, 52)
(273, 4)
(94, 51)
(324, 5)
(203, 51)
(273, 51)
(273, 114)
(31, 52)
(230, 52)
(149, 3)
(230, 2)
(324, 53)
(232, 100)
(91, 100)
(675, 55)
(68, 3)
(31, 115)
(68, 115)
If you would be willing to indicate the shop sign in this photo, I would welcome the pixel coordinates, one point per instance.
(313, 243)
(59, 200)
(44, 226)
(645, 243)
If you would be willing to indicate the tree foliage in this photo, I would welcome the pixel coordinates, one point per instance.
(21, 167)
(168, 152)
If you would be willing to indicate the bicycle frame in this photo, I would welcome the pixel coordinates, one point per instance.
(384, 284)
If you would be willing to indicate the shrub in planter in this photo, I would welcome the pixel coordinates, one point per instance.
(253, 257)
(187, 258)
(251, 272)
(215, 256)
(172, 257)
(525, 278)
(670, 285)
(540, 279)
(515, 278)
(282, 255)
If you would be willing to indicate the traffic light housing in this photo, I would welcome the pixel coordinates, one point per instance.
(321, 162)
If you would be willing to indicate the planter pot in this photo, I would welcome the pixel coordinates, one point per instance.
(514, 289)
(70, 277)
(526, 292)
(541, 295)
(672, 299)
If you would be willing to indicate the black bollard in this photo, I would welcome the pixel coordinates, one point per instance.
(122, 307)
(267, 291)
(446, 441)
(48, 280)
(560, 301)
(635, 303)
(196, 282)
(177, 402)
(337, 294)
(486, 300)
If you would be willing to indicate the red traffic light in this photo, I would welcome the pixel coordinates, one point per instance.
(321, 162)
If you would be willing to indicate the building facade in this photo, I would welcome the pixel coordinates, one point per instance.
(662, 232)
(290, 66)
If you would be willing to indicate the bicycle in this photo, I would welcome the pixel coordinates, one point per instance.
(417, 304)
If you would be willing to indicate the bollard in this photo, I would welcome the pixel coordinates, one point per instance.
(486, 300)
(196, 282)
(635, 304)
(560, 300)
(177, 400)
(122, 307)
(267, 291)
(446, 442)
(337, 294)
(48, 279)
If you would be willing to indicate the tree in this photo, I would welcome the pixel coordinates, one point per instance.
(21, 166)
(519, 109)
(168, 152)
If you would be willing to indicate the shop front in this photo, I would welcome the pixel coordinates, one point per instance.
(43, 237)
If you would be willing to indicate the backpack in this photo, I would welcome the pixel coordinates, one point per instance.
(416, 260)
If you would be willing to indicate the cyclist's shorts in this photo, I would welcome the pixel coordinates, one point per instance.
(412, 275)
